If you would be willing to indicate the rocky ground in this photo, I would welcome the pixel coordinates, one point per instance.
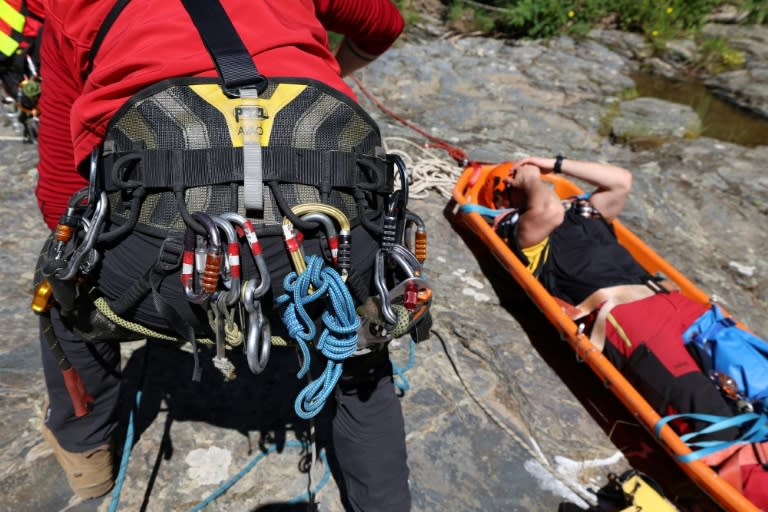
(499, 414)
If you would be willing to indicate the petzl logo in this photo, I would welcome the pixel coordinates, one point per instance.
(255, 112)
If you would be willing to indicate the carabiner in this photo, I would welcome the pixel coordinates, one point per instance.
(258, 342)
(330, 232)
(210, 275)
(344, 259)
(419, 247)
(231, 273)
(265, 280)
(93, 230)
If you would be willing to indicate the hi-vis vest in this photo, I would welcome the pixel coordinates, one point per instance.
(13, 22)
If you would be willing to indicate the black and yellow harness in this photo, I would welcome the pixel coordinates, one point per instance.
(207, 164)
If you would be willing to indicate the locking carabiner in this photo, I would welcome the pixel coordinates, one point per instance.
(231, 275)
(212, 263)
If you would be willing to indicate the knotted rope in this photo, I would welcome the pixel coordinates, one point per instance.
(338, 340)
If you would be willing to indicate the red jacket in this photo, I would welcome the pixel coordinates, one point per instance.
(153, 40)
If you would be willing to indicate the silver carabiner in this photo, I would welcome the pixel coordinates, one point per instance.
(330, 232)
(232, 260)
(265, 280)
(93, 230)
(258, 344)
(210, 272)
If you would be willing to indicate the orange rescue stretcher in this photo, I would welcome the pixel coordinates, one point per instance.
(471, 190)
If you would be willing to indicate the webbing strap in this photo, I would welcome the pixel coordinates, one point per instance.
(240, 77)
(169, 169)
(233, 62)
(756, 433)
(253, 170)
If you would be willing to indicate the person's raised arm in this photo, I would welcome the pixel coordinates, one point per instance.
(540, 208)
(369, 28)
(613, 183)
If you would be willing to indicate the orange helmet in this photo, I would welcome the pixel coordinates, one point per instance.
(494, 184)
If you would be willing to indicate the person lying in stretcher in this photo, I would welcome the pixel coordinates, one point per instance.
(636, 320)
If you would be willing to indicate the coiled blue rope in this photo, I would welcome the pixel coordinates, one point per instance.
(338, 340)
(248, 467)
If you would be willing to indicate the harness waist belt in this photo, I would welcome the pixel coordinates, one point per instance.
(172, 169)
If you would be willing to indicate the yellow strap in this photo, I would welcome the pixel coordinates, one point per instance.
(8, 45)
(619, 330)
(11, 16)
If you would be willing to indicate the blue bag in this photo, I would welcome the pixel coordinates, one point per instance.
(733, 351)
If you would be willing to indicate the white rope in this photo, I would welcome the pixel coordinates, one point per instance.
(429, 169)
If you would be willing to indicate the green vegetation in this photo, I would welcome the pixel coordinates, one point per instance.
(658, 20)
(717, 56)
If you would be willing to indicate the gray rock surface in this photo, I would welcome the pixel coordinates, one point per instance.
(653, 118)
(500, 415)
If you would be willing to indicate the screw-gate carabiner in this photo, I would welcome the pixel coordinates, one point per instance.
(344, 259)
(230, 278)
(210, 275)
(419, 247)
(330, 232)
(92, 233)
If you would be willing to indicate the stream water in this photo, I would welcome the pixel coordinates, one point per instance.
(720, 119)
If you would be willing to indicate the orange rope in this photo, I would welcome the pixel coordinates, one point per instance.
(454, 152)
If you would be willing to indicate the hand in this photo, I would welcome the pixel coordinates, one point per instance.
(545, 165)
(522, 175)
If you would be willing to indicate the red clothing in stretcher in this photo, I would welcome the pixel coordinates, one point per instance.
(150, 41)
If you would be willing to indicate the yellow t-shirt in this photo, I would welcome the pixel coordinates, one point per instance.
(536, 254)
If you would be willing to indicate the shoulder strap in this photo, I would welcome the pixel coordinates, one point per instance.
(233, 62)
(102, 33)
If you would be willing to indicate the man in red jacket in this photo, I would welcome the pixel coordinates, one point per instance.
(96, 57)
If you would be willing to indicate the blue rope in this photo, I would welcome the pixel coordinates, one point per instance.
(757, 432)
(248, 467)
(338, 340)
(398, 372)
(128, 445)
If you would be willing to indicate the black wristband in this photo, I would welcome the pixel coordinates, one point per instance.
(558, 168)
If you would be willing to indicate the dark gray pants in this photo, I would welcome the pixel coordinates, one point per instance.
(364, 430)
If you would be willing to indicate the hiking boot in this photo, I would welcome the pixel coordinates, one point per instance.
(90, 473)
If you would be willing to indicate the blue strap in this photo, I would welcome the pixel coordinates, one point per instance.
(483, 210)
(757, 432)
